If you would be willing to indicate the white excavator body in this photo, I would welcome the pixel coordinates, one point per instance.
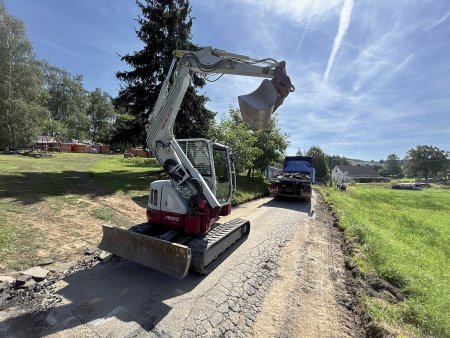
(183, 212)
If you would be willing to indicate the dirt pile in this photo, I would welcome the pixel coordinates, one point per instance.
(363, 284)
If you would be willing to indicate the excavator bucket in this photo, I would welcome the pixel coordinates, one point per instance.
(167, 257)
(257, 107)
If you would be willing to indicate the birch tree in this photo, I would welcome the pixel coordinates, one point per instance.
(21, 78)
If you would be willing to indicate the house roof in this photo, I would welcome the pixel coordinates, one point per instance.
(358, 171)
(45, 139)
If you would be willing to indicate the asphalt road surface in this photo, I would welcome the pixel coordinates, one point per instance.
(123, 299)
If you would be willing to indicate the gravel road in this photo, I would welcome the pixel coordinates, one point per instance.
(287, 280)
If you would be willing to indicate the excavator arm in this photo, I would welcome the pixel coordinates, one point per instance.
(256, 108)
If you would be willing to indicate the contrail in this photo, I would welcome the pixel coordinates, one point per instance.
(301, 40)
(344, 21)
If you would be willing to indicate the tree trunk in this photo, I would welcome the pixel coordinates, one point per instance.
(12, 141)
(249, 172)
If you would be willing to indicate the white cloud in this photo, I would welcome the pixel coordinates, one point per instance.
(300, 42)
(344, 22)
(298, 10)
(371, 107)
(437, 22)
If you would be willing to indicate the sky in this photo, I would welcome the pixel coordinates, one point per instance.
(372, 77)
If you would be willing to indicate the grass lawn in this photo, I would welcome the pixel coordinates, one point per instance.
(405, 238)
(249, 188)
(52, 206)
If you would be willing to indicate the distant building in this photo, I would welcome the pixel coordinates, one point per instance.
(45, 139)
(343, 174)
(47, 143)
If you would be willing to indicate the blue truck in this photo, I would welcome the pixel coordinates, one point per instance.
(294, 179)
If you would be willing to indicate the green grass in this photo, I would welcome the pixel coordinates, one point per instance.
(47, 187)
(405, 238)
(63, 181)
(111, 216)
(14, 238)
(249, 188)
(128, 175)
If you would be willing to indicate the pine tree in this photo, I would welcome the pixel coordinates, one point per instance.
(165, 25)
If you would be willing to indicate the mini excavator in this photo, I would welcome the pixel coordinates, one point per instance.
(183, 230)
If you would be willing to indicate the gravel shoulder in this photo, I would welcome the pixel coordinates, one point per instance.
(314, 294)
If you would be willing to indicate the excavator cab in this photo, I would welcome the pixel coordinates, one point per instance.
(168, 251)
(214, 162)
(224, 169)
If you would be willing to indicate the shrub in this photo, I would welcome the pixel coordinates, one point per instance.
(142, 161)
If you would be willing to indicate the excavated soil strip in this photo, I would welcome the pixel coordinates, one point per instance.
(315, 294)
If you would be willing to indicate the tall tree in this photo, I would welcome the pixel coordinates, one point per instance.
(67, 101)
(233, 132)
(252, 149)
(273, 144)
(319, 162)
(21, 112)
(102, 113)
(392, 165)
(165, 25)
(56, 129)
(425, 161)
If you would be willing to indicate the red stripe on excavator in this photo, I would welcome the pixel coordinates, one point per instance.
(226, 210)
(171, 219)
(195, 224)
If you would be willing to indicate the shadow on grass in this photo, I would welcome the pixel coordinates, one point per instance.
(31, 187)
(142, 201)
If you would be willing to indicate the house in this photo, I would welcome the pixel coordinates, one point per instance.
(47, 143)
(343, 174)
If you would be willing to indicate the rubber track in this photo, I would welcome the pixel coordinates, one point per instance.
(218, 240)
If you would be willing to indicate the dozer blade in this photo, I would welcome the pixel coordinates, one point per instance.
(170, 258)
(221, 241)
